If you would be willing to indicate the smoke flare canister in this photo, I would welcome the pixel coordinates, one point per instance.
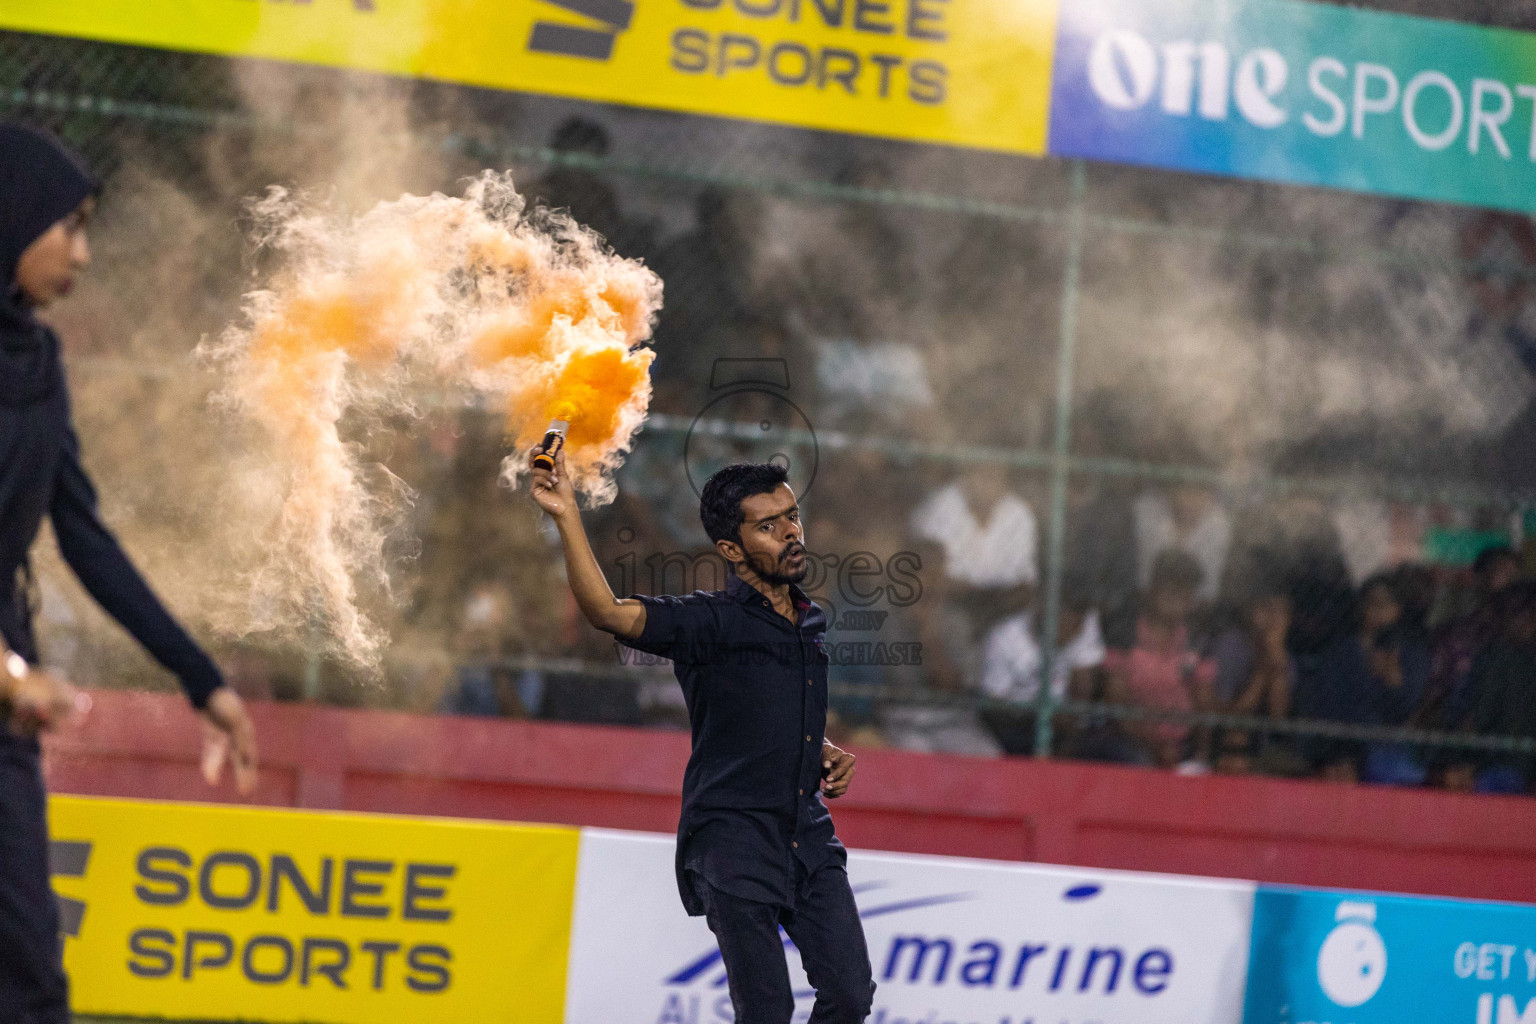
(554, 440)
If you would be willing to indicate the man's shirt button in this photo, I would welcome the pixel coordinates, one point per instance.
(807, 738)
(809, 683)
(795, 845)
(802, 792)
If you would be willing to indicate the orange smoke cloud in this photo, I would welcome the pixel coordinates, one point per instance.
(468, 295)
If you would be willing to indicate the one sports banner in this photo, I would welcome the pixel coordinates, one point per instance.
(1311, 93)
(962, 72)
(218, 913)
(1275, 90)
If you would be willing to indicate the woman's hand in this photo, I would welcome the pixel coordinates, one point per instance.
(38, 700)
(229, 735)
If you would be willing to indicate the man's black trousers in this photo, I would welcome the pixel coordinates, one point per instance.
(824, 926)
(32, 985)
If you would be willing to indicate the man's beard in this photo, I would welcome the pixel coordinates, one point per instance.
(775, 575)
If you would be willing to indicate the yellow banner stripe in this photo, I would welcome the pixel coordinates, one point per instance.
(210, 912)
(963, 72)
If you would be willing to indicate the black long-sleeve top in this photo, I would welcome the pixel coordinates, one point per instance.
(42, 183)
(40, 474)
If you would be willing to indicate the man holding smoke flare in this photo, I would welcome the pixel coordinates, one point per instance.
(46, 200)
(755, 844)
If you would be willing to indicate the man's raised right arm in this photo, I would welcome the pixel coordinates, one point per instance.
(553, 492)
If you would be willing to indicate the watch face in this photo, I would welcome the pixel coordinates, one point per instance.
(15, 665)
(751, 425)
(1352, 964)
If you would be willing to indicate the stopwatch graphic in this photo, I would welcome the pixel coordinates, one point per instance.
(751, 419)
(1353, 961)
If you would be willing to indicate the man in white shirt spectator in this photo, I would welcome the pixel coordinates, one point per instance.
(1011, 670)
(987, 537)
(987, 531)
(1012, 666)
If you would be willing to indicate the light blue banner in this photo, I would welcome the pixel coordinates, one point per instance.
(1309, 93)
(1340, 958)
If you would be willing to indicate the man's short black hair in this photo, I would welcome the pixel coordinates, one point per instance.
(720, 503)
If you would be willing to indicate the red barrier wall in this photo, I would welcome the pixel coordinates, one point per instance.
(1306, 833)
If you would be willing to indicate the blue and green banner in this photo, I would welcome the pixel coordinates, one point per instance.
(1307, 93)
(1367, 958)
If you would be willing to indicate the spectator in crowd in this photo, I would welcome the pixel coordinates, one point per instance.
(1503, 689)
(987, 531)
(1398, 653)
(1099, 542)
(485, 684)
(463, 528)
(1355, 666)
(877, 384)
(987, 534)
(1332, 675)
(875, 230)
(1297, 540)
(855, 674)
(490, 690)
(938, 620)
(591, 201)
(711, 308)
(1186, 517)
(972, 301)
(1013, 660)
(1163, 671)
(1499, 250)
(1256, 676)
(1457, 644)
(1416, 588)
(859, 281)
(1364, 529)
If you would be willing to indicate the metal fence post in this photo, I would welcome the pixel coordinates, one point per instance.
(1061, 453)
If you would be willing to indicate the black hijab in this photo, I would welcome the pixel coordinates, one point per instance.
(41, 183)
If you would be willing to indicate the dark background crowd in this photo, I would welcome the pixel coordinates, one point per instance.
(1197, 595)
(1298, 473)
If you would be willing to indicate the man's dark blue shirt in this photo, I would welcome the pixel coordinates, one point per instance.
(756, 687)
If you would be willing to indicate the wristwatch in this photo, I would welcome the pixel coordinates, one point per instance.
(16, 669)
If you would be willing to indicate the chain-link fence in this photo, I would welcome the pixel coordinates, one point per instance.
(1252, 455)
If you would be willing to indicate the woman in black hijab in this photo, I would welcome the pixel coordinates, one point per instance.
(46, 199)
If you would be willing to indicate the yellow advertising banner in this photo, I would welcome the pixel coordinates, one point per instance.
(190, 911)
(963, 72)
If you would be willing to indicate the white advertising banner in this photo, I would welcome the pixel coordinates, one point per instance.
(952, 941)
